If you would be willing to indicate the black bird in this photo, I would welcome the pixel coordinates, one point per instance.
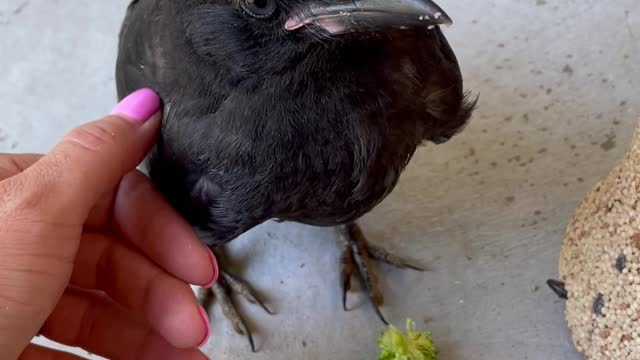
(295, 110)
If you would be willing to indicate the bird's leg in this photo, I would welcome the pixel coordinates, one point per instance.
(357, 256)
(226, 285)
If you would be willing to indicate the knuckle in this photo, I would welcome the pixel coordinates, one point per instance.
(29, 202)
(21, 205)
(96, 136)
(18, 198)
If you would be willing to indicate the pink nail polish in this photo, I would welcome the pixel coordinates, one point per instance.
(139, 106)
(207, 326)
(214, 265)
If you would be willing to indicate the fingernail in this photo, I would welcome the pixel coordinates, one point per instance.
(214, 265)
(207, 326)
(139, 106)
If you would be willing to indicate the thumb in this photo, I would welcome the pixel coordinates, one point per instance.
(92, 158)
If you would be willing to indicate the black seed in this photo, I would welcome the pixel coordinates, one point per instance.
(598, 304)
(621, 262)
(558, 287)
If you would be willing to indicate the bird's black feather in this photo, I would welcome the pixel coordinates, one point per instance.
(260, 123)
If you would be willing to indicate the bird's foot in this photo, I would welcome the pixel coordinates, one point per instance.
(357, 256)
(226, 285)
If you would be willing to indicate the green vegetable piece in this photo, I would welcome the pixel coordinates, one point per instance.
(415, 345)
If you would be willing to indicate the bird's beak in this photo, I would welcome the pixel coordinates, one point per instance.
(345, 16)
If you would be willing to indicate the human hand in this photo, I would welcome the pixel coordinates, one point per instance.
(90, 253)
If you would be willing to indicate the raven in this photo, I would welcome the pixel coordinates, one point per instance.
(294, 110)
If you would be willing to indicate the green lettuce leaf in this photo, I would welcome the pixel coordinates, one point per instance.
(415, 345)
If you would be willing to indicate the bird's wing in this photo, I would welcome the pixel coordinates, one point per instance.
(141, 55)
(448, 106)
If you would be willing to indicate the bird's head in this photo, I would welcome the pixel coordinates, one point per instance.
(258, 34)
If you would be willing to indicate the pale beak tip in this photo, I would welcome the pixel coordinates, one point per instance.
(443, 19)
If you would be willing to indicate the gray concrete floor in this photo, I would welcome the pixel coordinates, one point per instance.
(486, 212)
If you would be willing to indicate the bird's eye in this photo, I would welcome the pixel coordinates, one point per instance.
(259, 9)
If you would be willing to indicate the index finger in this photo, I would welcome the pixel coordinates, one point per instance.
(92, 158)
(145, 219)
(89, 161)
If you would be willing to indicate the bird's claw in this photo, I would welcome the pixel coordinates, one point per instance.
(221, 291)
(242, 288)
(356, 257)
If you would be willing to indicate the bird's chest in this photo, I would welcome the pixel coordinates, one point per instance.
(318, 152)
(321, 163)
